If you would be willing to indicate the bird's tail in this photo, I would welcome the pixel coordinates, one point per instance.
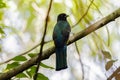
(61, 62)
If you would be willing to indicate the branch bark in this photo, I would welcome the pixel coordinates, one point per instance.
(114, 74)
(47, 53)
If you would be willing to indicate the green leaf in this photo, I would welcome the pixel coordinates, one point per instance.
(106, 54)
(32, 55)
(1, 31)
(20, 58)
(31, 71)
(29, 74)
(1, 15)
(21, 75)
(42, 77)
(12, 65)
(2, 4)
(46, 66)
(2, 34)
(109, 64)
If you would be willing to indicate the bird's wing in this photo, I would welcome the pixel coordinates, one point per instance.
(66, 33)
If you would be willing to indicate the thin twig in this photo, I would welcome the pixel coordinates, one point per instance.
(20, 54)
(84, 14)
(42, 42)
(26, 52)
(108, 34)
(81, 63)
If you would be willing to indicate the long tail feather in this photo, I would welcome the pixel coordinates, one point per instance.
(61, 62)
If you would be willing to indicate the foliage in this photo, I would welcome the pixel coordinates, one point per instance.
(106, 54)
(2, 5)
(19, 58)
(28, 73)
(29, 22)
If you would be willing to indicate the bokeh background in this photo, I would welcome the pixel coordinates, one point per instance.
(22, 25)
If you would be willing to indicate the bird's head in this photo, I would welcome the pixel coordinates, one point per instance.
(62, 17)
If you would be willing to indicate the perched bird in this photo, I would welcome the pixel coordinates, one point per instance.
(60, 36)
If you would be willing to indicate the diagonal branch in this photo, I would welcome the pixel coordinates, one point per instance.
(47, 53)
(21, 54)
(114, 74)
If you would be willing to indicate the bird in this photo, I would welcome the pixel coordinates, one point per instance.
(61, 34)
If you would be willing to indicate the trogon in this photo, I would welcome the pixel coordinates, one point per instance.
(60, 36)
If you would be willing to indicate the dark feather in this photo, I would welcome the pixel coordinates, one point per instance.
(60, 36)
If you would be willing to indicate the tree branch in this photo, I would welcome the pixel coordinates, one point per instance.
(114, 73)
(80, 60)
(47, 53)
